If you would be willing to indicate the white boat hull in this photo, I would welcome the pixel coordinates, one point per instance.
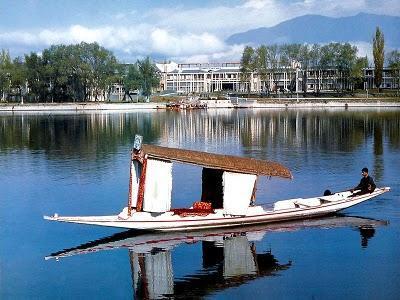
(168, 221)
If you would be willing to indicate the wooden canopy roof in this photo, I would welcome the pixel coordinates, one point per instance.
(218, 161)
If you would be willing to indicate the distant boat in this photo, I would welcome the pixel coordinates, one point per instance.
(228, 194)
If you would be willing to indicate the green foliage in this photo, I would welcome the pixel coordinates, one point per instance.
(315, 56)
(143, 76)
(248, 64)
(341, 57)
(5, 73)
(61, 73)
(72, 72)
(18, 76)
(12, 77)
(149, 76)
(36, 77)
(262, 63)
(290, 53)
(357, 72)
(378, 51)
(75, 72)
(394, 65)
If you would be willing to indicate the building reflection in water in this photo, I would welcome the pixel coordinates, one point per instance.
(229, 256)
(94, 133)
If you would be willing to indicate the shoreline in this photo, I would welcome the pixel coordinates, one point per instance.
(286, 103)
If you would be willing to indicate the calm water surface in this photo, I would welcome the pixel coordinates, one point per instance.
(78, 164)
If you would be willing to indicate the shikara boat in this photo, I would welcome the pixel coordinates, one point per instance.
(228, 194)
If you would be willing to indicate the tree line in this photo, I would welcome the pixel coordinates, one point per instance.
(268, 60)
(80, 72)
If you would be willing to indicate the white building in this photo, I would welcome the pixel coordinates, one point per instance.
(200, 77)
(215, 77)
(388, 80)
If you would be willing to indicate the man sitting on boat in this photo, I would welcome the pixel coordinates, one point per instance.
(366, 185)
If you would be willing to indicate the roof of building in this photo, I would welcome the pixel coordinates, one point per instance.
(188, 71)
(218, 161)
(202, 71)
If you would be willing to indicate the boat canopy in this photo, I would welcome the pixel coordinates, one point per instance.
(217, 161)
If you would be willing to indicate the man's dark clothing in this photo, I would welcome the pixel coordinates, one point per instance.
(364, 183)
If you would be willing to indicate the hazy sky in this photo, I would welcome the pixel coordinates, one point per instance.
(179, 30)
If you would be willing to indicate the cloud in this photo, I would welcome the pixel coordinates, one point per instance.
(228, 54)
(187, 33)
(167, 43)
(139, 40)
(255, 4)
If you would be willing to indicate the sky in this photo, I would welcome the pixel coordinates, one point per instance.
(182, 31)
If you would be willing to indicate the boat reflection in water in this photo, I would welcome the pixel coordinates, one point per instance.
(229, 256)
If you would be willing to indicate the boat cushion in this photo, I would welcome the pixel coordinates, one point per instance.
(286, 204)
(191, 212)
(202, 205)
(311, 202)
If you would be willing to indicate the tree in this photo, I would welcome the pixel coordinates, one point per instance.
(357, 72)
(273, 64)
(394, 65)
(290, 56)
(58, 64)
(261, 65)
(328, 62)
(5, 74)
(36, 77)
(18, 77)
(378, 51)
(77, 72)
(131, 81)
(248, 65)
(289, 53)
(305, 58)
(345, 61)
(315, 63)
(149, 76)
(100, 65)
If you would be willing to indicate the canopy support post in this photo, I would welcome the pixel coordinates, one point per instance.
(140, 196)
(253, 194)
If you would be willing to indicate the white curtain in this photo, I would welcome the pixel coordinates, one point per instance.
(238, 258)
(158, 186)
(159, 274)
(136, 169)
(238, 189)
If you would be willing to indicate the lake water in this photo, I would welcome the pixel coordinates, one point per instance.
(78, 164)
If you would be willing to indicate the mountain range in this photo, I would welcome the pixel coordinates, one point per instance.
(320, 29)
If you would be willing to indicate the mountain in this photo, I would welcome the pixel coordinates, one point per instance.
(319, 29)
